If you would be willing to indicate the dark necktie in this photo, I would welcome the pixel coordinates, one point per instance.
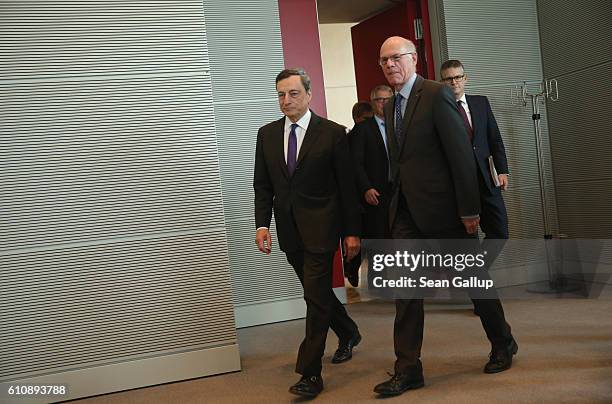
(292, 150)
(398, 118)
(466, 121)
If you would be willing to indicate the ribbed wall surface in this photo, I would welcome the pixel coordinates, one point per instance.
(118, 301)
(498, 42)
(246, 55)
(580, 122)
(113, 242)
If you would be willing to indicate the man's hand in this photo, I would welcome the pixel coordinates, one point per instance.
(471, 225)
(371, 196)
(503, 181)
(352, 245)
(263, 239)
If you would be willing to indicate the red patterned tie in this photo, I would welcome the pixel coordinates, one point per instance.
(466, 121)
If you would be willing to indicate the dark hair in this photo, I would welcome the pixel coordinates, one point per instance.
(361, 108)
(285, 74)
(452, 63)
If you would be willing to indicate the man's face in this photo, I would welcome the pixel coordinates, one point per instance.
(378, 102)
(398, 62)
(293, 98)
(455, 78)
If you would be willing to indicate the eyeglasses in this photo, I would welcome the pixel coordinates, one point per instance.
(455, 78)
(381, 99)
(394, 58)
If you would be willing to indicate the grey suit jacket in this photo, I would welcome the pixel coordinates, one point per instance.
(433, 167)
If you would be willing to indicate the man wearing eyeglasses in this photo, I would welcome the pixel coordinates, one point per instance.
(435, 196)
(303, 173)
(369, 147)
(486, 141)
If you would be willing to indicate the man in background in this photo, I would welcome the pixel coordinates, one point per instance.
(369, 148)
(368, 145)
(361, 111)
(303, 172)
(486, 142)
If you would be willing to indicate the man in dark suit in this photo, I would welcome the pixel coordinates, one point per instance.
(368, 145)
(303, 173)
(486, 141)
(435, 196)
(361, 111)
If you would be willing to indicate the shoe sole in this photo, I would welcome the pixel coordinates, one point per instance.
(409, 387)
(350, 357)
(303, 393)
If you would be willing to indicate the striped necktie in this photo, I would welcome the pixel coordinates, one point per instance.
(398, 118)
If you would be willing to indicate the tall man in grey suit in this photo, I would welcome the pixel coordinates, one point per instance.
(435, 196)
(303, 172)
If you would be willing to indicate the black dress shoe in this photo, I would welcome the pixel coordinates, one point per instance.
(501, 359)
(308, 386)
(345, 350)
(399, 383)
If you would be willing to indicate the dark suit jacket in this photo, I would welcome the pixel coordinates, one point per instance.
(370, 156)
(372, 171)
(487, 140)
(433, 167)
(318, 204)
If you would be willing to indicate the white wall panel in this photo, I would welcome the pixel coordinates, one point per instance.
(580, 121)
(113, 243)
(498, 42)
(245, 56)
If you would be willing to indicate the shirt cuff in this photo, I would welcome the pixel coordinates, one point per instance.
(262, 227)
(471, 217)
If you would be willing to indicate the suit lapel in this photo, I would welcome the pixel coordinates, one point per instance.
(375, 129)
(279, 145)
(413, 100)
(389, 129)
(310, 138)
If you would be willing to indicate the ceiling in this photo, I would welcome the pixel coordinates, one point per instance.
(346, 11)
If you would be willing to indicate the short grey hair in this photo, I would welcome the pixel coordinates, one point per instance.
(285, 74)
(381, 87)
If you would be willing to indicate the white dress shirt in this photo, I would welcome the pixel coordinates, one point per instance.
(300, 132)
(466, 107)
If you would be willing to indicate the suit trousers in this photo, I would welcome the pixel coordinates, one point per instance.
(376, 218)
(323, 309)
(409, 313)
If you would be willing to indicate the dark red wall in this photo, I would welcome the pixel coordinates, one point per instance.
(300, 34)
(368, 36)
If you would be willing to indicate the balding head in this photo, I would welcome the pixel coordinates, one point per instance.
(398, 60)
